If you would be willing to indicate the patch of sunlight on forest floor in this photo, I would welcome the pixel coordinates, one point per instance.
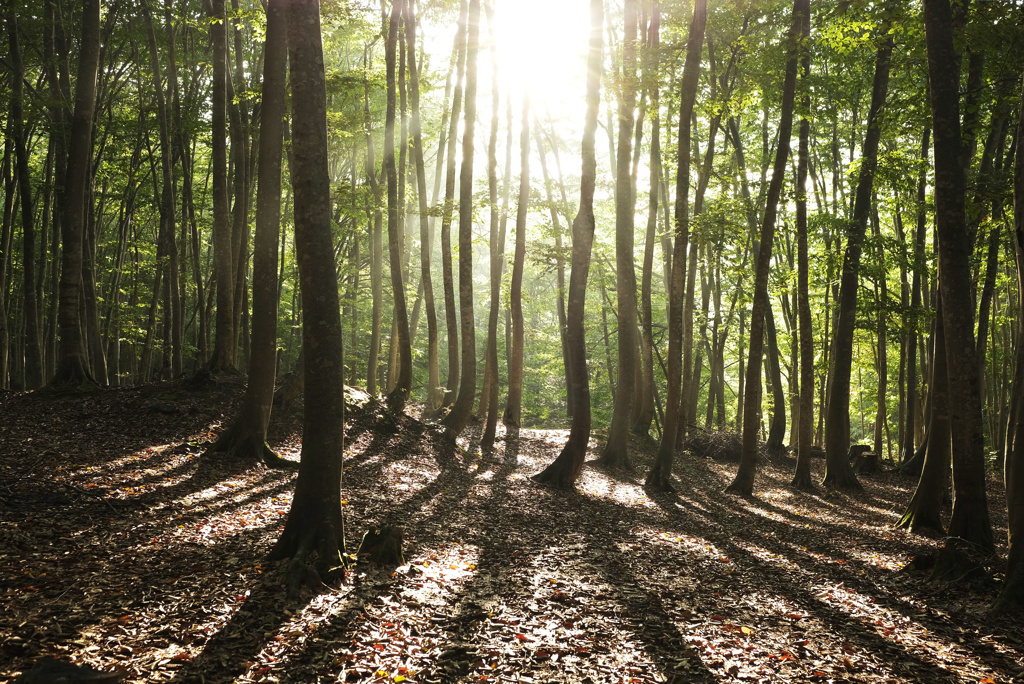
(127, 549)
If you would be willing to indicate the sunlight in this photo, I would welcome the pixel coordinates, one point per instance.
(542, 45)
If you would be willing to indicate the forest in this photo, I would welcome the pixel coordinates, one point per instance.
(510, 340)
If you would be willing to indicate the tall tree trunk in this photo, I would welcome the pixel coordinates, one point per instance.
(456, 421)
(616, 451)
(497, 248)
(647, 410)
(403, 383)
(451, 319)
(224, 348)
(315, 522)
(924, 512)
(247, 436)
(433, 398)
(1012, 595)
(743, 484)
(969, 522)
(376, 220)
(660, 476)
(805, 415)
(909, 430)
(838, 472)
(491, 353)
(513, 408)
(16, 130)
(73, 366)
(563, 472)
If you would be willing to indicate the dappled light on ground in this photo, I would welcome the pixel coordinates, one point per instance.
(143, 555)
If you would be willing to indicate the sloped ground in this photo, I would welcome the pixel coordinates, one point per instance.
(121, 547)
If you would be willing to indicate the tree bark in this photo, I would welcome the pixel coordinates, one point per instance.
(73, 365)
(451, 319)
(805, 416)
(16, 129)
(969, 522)
(314, 521)
(433, 398)
(247, 435)
(660, 476)
(224, 355)
(456, 421)
(1012, 595)
(838, 472)
(513, 407)
(743, 484)
(563, 472)
(403, 382)
(616, 451)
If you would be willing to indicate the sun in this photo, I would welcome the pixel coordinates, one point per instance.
(542, 47)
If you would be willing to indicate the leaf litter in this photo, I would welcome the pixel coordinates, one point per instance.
(126, 549)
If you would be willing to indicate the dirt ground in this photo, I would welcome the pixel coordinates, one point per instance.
(124, 548)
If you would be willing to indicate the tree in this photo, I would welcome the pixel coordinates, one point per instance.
(247, 435)
(743, 483)
(1012, 594)
(838, 472)
(448, 282)
(616, 453)
(456, 420)
(315, 523)
(73, 367)
(224, 349)
(513, 408)
(969, 522)
(660, 476)
(16, 126)
(403, 385)
(433, 399)
(563, 472)
(805, 429)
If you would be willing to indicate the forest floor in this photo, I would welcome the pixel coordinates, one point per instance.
(121, 546)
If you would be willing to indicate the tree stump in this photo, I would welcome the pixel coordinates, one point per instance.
(382, 546)
(867, 463)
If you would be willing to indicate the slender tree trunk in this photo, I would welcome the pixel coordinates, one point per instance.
(647, 410)
(969, 522)
(805, 429)
(375, 219)
(1012, 595)
(403, 382)
(743, 484)
(224, 349)
(16, 129)
(909, 429)
(660, 476)
(563, 472)
(491, 353)
(314, 521)
(433, 398)
(73, 366)
(616, 451)
(513, 408)
(247, 436)
(456, 421)
(451, 319)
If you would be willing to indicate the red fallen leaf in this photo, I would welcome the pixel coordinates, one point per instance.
(181, 656)
(262, 671)
(522, 637)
